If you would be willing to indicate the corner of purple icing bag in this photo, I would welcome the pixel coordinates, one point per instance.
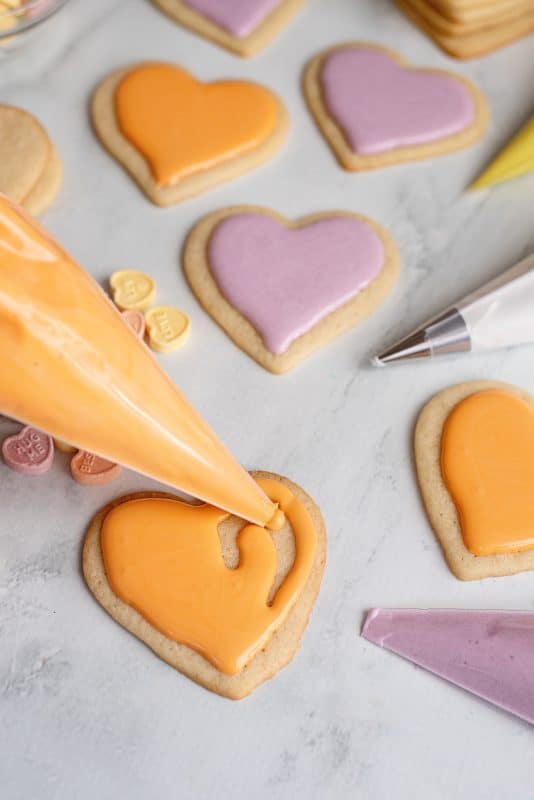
(371, 615)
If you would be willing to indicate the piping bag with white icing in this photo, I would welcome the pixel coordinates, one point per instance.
(70, 366)
(499, 314)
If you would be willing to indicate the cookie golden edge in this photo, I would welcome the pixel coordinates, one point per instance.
(241, 331)
(106, 128)
(277, 653)
(437, 501)
(45, 191)
(473, 45)
(469, 13)
(347, 158)
(245, 46)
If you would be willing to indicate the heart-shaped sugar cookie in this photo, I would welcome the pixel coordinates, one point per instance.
(474, 447)
(227, 622)
(30, 167)
(282, 289)
(242, 26)
(178, 136)
(376, 110)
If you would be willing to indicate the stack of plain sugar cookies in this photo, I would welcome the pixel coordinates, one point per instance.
(471, 28)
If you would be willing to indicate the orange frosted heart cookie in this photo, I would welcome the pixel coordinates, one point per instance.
(223, 601)
(474, 447)
(178, 136)
(243, 26)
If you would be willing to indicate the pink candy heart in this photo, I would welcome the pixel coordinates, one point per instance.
(136, 321)
(30, 451)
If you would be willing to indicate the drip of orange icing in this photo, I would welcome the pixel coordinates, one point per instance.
(487, 464)
(183, 126)
(278, 520)
(163, 557)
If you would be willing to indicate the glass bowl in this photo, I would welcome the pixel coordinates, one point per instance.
(21, 19)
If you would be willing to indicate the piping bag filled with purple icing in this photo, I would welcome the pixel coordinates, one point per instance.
(488, 653)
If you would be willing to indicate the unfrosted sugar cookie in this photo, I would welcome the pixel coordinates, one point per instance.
(178, 136)
(456, 30)
(283, 289)
(473, 43)
(474, 452)
(228, 604)
(482, 14)
(30, 167)
(243, 26)
(375, 110)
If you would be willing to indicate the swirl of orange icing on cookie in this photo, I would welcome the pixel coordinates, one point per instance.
(163, 557)
(183, 126)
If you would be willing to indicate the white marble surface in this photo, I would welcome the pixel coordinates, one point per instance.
(86, 711)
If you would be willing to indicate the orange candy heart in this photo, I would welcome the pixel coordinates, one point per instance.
(487, 464)
(91, 470)
(182, 126)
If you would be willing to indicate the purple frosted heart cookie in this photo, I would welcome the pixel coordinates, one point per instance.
(238, 17)
(376, 110)
(243, 26)
(30, 451)
(282, 289)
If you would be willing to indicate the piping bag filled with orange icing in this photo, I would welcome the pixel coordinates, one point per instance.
(70, 366)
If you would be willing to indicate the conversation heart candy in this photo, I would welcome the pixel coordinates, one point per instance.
(29, 452)
(90, 470)
(132, 289)
(168, 328)
(135, 320)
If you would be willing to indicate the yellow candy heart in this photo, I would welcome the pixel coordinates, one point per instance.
(168, 328)
(132, 289)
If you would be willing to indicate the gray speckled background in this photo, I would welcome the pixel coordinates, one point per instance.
(88, 712)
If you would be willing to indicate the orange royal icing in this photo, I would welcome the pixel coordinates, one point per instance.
(71, 367)
(182, 126)
(487, 463)
(163, 557)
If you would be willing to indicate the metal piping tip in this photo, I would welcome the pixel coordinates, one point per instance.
(446, 333)
(413, 346)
